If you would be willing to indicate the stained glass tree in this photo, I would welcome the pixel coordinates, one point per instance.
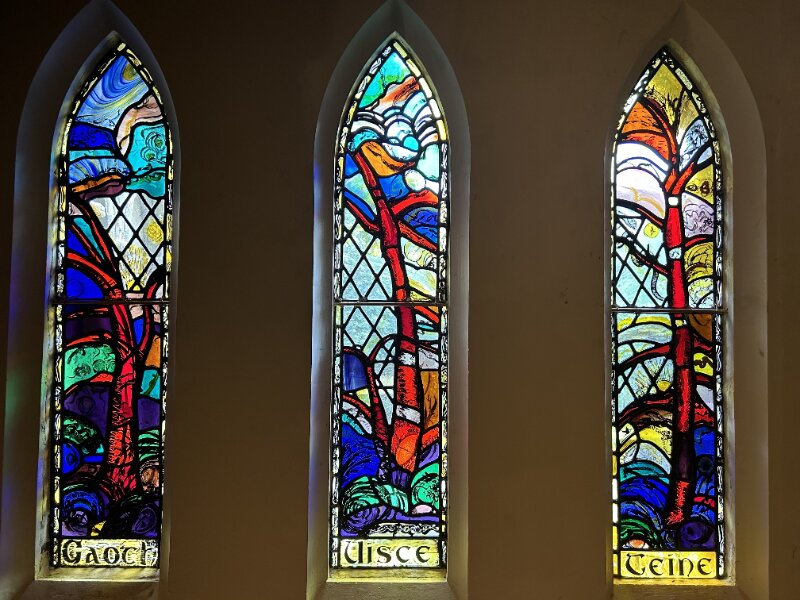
(109, 306)
(667, 326)
(389, 409)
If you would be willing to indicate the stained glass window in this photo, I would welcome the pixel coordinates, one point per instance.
(667, 331)
(110, 320)
(389, 406)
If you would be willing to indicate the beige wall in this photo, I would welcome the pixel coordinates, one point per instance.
(542, 84)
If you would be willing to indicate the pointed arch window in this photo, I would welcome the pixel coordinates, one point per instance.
(390, 305)
(110, 320)
(667, 323)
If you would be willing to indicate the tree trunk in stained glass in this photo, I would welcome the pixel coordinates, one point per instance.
(405, 434)
(681, 477)
(121, 477)
(682, 480)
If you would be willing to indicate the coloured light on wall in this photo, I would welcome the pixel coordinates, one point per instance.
(389, 406)
(109, 306)
(667, 327)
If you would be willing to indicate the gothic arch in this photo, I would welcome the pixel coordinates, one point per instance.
(734, 112)
(394, 17)
(94, 31)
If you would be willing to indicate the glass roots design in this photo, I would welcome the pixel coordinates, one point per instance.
(109, 309)
(667, 326)
(389, 413)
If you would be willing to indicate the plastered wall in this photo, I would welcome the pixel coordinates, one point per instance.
(542, 83)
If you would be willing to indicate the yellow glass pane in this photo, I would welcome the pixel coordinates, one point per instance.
(651, 564)
(389, 553)
(667, 88)
(702, 184)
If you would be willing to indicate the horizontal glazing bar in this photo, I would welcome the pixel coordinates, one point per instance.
(109, 302)
(386, 303)
(639, 309)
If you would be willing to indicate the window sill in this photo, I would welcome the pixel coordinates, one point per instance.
(410, 576)
(423, 589)
(49, 589)
(712, 589)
